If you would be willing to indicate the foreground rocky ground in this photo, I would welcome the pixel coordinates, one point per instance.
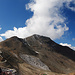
(29, 70)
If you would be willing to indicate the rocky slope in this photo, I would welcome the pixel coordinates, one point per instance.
(35, 55)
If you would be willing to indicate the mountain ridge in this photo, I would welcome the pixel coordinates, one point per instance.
(42, 49)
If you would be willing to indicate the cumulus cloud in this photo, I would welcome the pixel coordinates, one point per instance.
(73, 39)
(69, 45)
(20, 32)
(47, 19)
(71, 7)
(0, 28)
(1, 39)
(0, 36)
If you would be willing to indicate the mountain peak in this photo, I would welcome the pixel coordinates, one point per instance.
(36, 35)
(38, 51)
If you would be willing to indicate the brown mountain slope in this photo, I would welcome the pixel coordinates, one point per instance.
(41, 42)
(16, 45)
(39, 53)
(11, 48)
(58, 58)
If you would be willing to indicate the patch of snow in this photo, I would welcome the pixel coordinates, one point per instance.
(36, 52)
(37, 35)
(26, 42)
(15, 55)
(1, 56)
(34, 61)
(33, 37)
(40, 42)
(3, 62)
(0, 52)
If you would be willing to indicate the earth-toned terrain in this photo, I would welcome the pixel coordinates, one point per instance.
(36, 55)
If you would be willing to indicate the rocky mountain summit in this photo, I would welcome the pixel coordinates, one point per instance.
(36, 55)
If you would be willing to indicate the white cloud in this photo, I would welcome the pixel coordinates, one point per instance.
(71, 7)
(1, 39)
(69, 45)
(65, 44)
(20, 32)
(47, 20)
(0, 28)
(73, 39)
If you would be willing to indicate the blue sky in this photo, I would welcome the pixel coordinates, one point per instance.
(39, 17)
(13, 13)
(67, 37)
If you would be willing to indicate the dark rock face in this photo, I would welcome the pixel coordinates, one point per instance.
(0, 70)
(45, 43)
(59, 59)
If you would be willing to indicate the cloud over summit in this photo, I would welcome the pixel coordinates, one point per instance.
(1, 39)
(47, 19)
(69, 45)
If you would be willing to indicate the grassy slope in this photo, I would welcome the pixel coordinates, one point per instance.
(26, 69)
